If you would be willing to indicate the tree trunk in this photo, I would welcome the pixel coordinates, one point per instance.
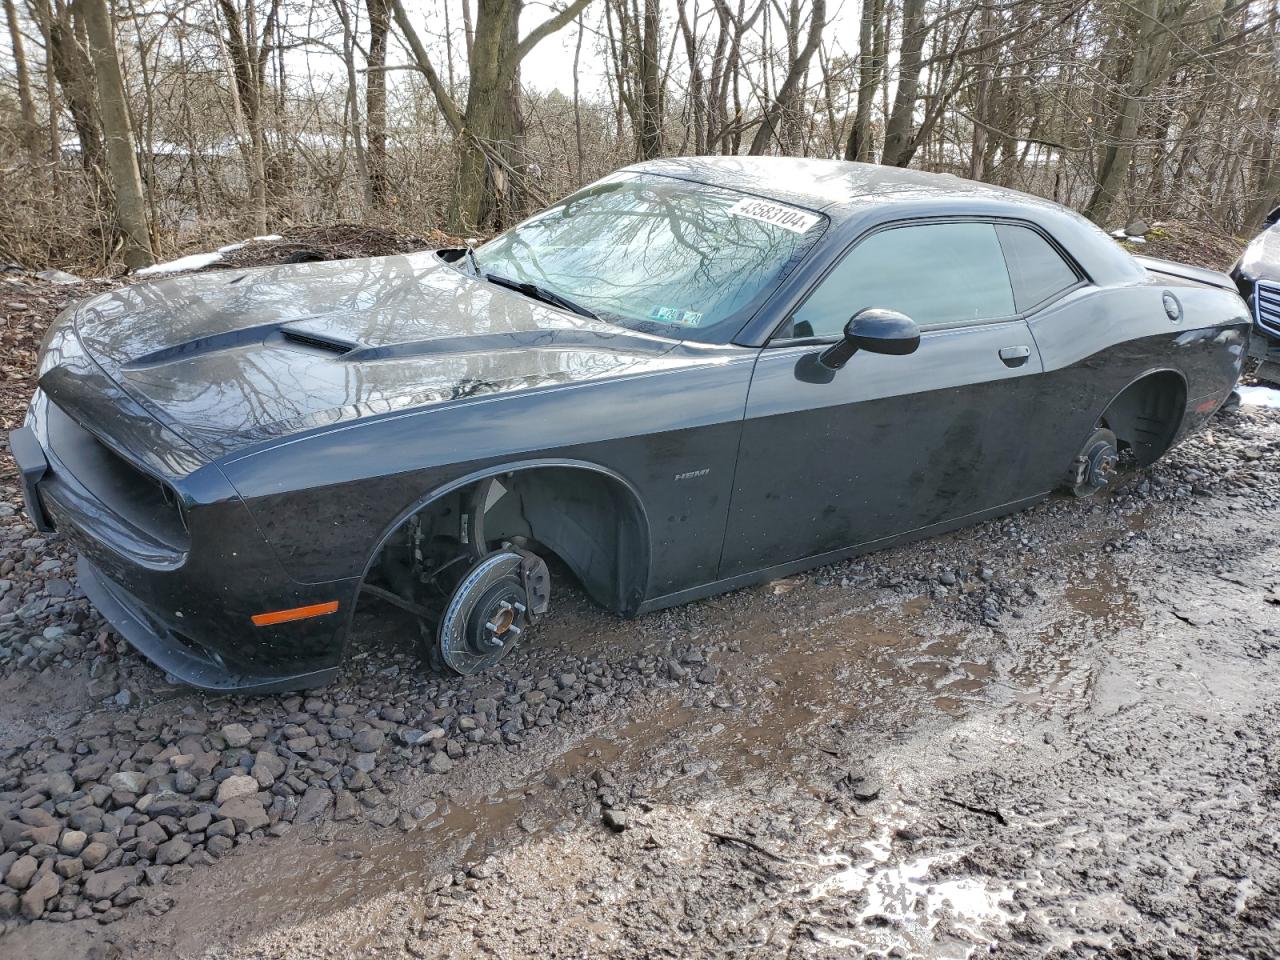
(122, 155)
(791, 86)
(899, 138)
(30, 134)
(375, 99)
(74, 71)
(650, 132)
(871, 57)
(490, 132)
(248, 51)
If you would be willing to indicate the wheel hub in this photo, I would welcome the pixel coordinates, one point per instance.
(1096, 466)
(1103, 461)
(486, 615)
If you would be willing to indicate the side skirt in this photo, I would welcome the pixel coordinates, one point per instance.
(833, 556)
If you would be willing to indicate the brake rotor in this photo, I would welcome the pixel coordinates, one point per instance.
(486, 615)
(1096, 465)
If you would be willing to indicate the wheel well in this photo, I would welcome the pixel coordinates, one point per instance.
(592, 521)
(1146, 415)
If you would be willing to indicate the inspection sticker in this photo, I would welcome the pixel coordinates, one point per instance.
(788, 218)
(685, 318)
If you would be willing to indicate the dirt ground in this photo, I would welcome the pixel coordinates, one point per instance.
(1051, 735)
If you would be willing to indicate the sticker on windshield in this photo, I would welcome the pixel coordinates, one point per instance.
(788, 218)
(685, 318)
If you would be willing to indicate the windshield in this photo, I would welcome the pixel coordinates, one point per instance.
(659, 255)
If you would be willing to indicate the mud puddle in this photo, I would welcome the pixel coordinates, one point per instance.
(792, 702)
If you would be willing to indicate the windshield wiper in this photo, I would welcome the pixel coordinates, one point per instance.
(535, 292)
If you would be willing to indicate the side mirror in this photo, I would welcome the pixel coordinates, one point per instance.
(875, 330)
(1272, 218)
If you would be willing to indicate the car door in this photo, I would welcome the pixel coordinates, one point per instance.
(891, 444)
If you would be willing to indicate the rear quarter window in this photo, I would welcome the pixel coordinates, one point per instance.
(1037, 270)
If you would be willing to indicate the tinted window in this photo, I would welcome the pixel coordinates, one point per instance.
(668, 256)
(934, 273)
(1036, 268)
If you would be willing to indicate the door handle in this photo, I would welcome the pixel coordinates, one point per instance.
(1015, 356)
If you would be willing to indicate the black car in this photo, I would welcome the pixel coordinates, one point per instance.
(690, 376)
(1257, 275)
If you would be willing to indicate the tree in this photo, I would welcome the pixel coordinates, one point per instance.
(871, 60)
(798, 70)
(75, 75)
(248, 51)
(122, 156)
(375, 98)
(30, 129)
(489, 129)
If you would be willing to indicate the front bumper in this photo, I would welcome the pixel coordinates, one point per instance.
(181, 583)
(175, 655)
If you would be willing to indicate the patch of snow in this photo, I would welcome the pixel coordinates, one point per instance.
(268, 237)
(191, 262)
(232, 247)
(1260, 396)
(58, 276)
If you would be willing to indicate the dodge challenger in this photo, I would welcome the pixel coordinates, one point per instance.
(692, 375)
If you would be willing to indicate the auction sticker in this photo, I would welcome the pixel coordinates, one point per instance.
(780, 215)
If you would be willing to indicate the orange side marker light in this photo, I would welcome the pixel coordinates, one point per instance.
(297, 613)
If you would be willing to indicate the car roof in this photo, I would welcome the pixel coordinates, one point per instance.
(853, 195)
(838, 188)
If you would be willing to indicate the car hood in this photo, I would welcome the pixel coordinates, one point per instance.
(233, 358)
(1261, 259)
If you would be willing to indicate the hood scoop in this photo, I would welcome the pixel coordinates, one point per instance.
(289, 335)
(316, 340)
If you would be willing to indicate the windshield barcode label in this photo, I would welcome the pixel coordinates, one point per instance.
(788, 218)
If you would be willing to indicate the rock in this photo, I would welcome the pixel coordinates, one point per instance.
(38, 895)
(237, 735)
(616, 820)
(105, 885)
(20, 874)
(174, 851)
(344, 806)
(313, 805)
(368, 740)
(94, 853)
(69, 868)
(129, 781)
(246, 813)
(72, 842)
(424, 810)
(439, 763)
(234, 787)
(60, 785)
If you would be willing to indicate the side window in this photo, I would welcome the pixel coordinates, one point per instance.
(1036, 268)
(935, 273)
